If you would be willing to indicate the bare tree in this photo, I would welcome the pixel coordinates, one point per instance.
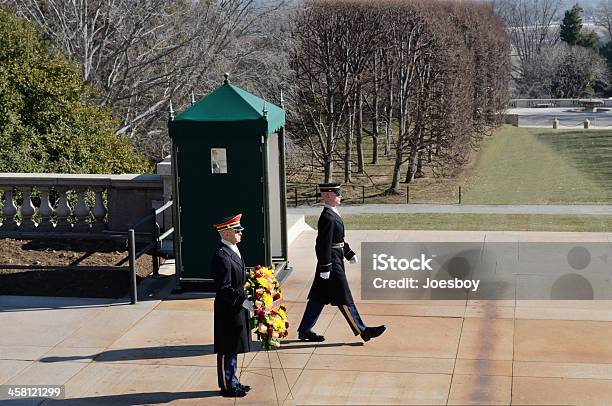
(602, 15)
(140, 54)
(531, 24)
(411, 36)
(440, 71)
(330, 50)
(576, 71)
(533, 27)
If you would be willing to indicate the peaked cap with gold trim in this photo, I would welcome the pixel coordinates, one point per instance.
(330, 187)
(231, 222)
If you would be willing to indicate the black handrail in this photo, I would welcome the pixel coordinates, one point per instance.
(155, 243)
(154, 213)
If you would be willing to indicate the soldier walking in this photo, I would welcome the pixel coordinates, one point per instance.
(330, 285)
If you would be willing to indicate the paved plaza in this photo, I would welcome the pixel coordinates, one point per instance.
(433, 352)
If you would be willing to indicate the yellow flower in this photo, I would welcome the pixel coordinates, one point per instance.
(263, 282)
(281, 313)
(266, 272)
(267, 299)
(278, 324)
(247, 285)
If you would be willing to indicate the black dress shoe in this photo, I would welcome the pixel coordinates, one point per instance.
(372, 332)
(245, 388)
(236, 392)
(310, 336)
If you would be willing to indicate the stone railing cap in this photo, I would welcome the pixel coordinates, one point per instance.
(139, 181)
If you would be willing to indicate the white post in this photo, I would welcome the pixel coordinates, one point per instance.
(99, 211)
(27, 210)
(587, 124)
(10, 210)
(63, 211)
(81, 212)
(45, 210)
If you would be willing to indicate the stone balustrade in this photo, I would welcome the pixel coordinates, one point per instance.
(129, 197)
(533, 103)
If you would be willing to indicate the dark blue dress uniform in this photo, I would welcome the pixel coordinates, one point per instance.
(332, 250)
(232, 333)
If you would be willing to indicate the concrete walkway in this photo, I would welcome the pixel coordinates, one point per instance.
(456, 209)
(434, 352)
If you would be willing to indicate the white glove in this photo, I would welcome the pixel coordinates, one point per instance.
(354, 260)
(325, 275)
(247, 304)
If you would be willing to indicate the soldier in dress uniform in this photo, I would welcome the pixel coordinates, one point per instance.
(232, 307)
(330, 285)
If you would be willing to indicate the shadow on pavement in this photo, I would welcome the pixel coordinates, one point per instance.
(153, 398)
(131, 354)
(315, 345)
(175, 351)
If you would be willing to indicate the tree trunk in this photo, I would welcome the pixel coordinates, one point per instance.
(359, 140)
(375, 142)
(389, 126)
(419, 167)
(389, 111)
(328, 163)
(348, 145)
(327, 169)
(399, 153)
(375, 118)
(415, 166)
(410, 171)
(397, 167)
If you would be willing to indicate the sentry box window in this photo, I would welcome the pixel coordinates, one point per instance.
(218, 160)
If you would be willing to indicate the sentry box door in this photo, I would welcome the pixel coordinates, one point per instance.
(218, 177)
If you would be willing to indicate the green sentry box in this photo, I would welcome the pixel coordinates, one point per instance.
(228, 158)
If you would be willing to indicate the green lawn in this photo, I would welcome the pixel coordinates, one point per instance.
(541, 166)
(474, 222)
(514, 166)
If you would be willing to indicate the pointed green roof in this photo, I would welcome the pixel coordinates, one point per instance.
(231, 104)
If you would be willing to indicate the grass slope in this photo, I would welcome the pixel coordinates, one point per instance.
(538, 166)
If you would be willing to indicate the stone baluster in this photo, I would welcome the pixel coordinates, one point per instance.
(63, 211)
(45, 210)
(81, 212)
(27, 210)
(9, 211)
(99, 211)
